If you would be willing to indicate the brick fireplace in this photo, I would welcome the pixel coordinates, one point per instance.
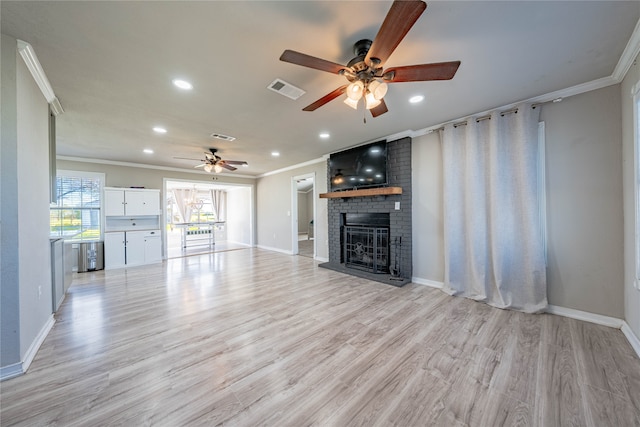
(368, 236)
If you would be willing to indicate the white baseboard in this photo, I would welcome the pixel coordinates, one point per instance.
(612, 322)
(35, 345)
(240, 243)
(631, 337)
(20, 368)
(321, 259)
(427, 282)
(11, 371)
(269, 248)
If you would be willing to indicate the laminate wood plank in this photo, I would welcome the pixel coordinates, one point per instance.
(559, 400)
(253, 337)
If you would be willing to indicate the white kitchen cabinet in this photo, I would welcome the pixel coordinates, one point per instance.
(114, 250)
(131, 202)
(130, 248)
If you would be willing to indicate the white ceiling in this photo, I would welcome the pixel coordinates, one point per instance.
(111, 65)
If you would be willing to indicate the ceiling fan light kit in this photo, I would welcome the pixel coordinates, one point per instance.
(365, 72)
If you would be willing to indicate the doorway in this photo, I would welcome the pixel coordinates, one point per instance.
(303, 215)
(203, 217)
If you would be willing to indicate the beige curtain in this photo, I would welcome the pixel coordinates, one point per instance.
(493, 243)
(219, 203)
(183, 198)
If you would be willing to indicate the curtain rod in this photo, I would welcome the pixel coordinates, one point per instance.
(502, 113)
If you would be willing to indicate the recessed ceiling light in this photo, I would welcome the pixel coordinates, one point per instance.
(182, 84)
(324, 135)
(275, 153)
(158, 129)
(416, 99)
(148, 150)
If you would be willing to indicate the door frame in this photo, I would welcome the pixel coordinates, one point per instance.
(294, 211)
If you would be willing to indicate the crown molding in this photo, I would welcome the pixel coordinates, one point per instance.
(296, 166)
(31, 60)
(145, 166)
(629, 55)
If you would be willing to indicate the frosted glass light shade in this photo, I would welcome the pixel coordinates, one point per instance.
(353, 103)
(378, 89)
(208, 168)
(371, 101)
(217, 168)
(355, 89)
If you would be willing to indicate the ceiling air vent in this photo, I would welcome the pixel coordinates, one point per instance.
(286, 89)
(223, 137)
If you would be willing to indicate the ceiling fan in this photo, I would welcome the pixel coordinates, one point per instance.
(365, 72)
(214, 163)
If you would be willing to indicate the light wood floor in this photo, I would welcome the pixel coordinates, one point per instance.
(251, 337)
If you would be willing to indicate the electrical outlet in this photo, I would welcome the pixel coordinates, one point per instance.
(39, 291)
(397, 206)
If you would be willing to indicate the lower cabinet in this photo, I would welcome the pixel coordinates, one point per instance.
(129, 248)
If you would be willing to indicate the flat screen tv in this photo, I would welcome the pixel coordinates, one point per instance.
(359, 167)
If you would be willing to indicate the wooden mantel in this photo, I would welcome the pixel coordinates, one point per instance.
(382, 191)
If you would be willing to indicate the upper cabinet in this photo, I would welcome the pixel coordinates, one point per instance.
(131, 202)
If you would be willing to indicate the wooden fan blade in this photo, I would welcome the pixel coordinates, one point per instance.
(327, 98)
(421, 73)
(236, 162)
(311, 62)
(224, 164)
(379, 109)
(396, 25)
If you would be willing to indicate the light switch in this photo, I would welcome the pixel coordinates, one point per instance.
(397, 206)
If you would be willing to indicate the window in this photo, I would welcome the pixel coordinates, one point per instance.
(76, 214)
(636, 172)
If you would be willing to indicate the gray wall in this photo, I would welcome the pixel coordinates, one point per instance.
(274, 202)
(304, 212)
(25, 254)
(9, 261)
(584, 204)
(428, 227)
(631, 294)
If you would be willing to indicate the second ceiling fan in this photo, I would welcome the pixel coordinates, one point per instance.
(365, 72)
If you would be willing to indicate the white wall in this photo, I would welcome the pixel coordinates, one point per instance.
(239, 205)
(274, 209)
(631, 294)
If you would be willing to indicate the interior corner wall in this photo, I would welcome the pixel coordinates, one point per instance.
(274, 202)
(631, 294)
(26, 303)
(9, 260)
(34, 249)
(584, 202)
(239, 202)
